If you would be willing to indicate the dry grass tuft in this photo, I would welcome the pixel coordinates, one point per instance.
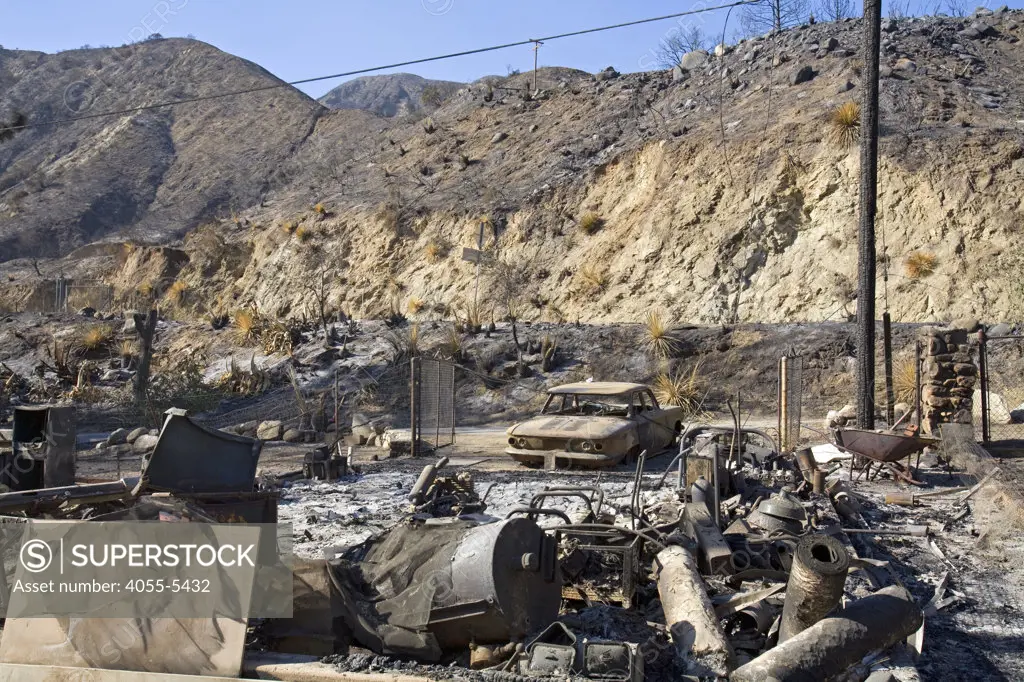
(303, 234)
(594, 278)
(320, 209)
(146, 289)
(434, 252)
(288, 226)
(127, 348)
(658, 338)
(415, 305)
(904, 382)
(680, 388)
(176, 292)
(591, 222)
(246, 325)
(844, 124)
(920, 264)
(96, 337)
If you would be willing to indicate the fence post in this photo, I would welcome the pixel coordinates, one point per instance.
(983, 371)
(890, 397)
(917, 384)
(414, 405)
(783, 404)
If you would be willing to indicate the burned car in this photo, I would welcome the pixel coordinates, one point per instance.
(595, 424)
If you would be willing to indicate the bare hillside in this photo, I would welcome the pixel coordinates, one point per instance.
(150, 175)
(717, 194)
(391, 95)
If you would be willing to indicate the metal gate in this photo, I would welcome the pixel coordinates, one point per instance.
(791, 382)
(433, 405)
(1001, 365)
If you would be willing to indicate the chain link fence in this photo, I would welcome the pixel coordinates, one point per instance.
(1001, 407)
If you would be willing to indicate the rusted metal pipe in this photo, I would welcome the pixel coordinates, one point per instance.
(689, 615)
(815, 584)
(833, 645)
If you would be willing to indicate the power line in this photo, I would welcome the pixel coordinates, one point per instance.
(346, 74)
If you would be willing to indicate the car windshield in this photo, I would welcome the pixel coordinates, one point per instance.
(585, 404)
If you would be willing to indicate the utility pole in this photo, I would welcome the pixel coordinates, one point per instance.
(536, 51)
(866, 236)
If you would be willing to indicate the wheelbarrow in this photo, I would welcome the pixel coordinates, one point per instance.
(885, 448)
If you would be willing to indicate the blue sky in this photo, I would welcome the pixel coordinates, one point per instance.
(305, 38)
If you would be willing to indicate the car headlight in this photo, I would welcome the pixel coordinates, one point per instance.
(587, 446)
(522, 443)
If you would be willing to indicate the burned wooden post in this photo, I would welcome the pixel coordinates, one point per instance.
(145, 325)
(690, 618)
(866, 236)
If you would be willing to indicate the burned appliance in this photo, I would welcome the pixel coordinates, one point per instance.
(213, 469)
(320, 465)
(433, 585)
(43, 449)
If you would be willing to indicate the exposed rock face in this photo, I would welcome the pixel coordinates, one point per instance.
(390, 95)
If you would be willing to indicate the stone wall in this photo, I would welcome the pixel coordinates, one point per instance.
(948, 376)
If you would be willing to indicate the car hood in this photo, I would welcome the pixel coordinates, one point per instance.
(559, 426)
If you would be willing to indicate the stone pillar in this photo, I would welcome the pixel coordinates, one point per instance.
(948, 376)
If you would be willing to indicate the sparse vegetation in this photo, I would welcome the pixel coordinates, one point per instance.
(415, 305)
(435, 251)
(658, 337)
(904, 381)
(920, 264)
(594, 279)
(681, 388)
(320, 209)
(404, 345)
(591, 222)
(844, 124)
(176, 292)
(288, 226)
(429, 127)
(247, 325)
(96, 337)
(303, 234)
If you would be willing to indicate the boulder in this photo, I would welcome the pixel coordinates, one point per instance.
(803, 74)
(87, 312)
(608, 74)
(292, 436)
(269, 430)
(1001, 329)
(498, 137)
(1017, 414)
(247, 428)
(905, 64)
(845, 87)
(998, 412)
(145, 443)
(977, 30)
(693, 60)
(721, 49)
(115, 375)
(831, 44)
(134, 434)
(117, 437)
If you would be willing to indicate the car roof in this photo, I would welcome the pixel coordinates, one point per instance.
(598, 388)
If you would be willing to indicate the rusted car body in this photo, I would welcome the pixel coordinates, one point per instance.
(595, 424)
